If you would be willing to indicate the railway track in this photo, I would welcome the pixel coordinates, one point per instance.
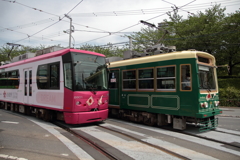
(227, 140)
(146, 143)
(177, 147)
(87, 140)
(108, 153)
(195, 133)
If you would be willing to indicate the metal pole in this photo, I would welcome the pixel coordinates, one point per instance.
(70, 33)
(130, 43)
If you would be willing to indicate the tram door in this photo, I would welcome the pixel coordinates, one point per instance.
(27, 86)
(114, 87)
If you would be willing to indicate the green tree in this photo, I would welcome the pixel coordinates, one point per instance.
(229, 52)
(211, 31)
(199, 31)
(8, 52)
(108, 50)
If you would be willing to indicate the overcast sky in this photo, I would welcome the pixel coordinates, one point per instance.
(36, 22)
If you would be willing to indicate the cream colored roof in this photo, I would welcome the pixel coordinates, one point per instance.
(161, 57)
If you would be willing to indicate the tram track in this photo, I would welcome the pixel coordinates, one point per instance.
(235, 145)
(214, 140)
(87, 140)
(234, 134)
(146, 143)
(107, 153)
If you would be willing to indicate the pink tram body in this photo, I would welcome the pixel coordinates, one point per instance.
(67, 84)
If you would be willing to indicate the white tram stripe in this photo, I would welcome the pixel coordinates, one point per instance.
(79, 152)
(169, 146)
(185, 137)
(133, 149)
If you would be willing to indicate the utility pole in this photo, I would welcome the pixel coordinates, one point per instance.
(70, 30)
(130, 43)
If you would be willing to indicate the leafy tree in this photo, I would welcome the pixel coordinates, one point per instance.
(229, 52)
(199, 31)
(109, 50)
(8, 52)
(211, 31)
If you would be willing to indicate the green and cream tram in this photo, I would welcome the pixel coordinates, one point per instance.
(177, 87)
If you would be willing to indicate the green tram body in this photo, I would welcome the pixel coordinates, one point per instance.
(152, 89)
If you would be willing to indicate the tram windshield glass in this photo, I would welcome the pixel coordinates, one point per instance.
(206, 77)
(90, 72)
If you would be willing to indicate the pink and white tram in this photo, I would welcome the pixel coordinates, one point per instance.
(68, 84)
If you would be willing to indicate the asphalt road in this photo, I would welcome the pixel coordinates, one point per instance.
(230, 118)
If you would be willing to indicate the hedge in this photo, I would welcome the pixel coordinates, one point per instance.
(229, 92)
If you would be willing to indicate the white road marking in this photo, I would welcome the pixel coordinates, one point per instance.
(79, 152)
(10, 122)
(11, 157)
(169, 146)
(133, 149)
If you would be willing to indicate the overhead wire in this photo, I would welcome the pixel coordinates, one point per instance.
(132, 25)
(148, 11)
(116, 12)
(35, 23)
(145, 20)
(142, 11)
(172, 39)
(49, 25)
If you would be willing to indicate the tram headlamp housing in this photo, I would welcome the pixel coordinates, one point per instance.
(78, 103)
(216, 103)
(204, 105)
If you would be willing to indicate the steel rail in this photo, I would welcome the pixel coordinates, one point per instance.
(88, 141)
(146, 143)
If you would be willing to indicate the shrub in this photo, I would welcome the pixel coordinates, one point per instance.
(229, 92)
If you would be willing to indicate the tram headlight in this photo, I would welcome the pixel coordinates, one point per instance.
(78, 103)
(204, 105)
(216, 103)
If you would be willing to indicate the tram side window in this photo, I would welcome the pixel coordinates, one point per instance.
(166, 79)
(186, 83)
(42, 79)
(48, 76)
(113, 79)
(129, 79)
(54, 76)
(145, 78)
(9, 80)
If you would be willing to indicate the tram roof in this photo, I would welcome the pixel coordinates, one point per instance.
(162, 57)
(49, 55)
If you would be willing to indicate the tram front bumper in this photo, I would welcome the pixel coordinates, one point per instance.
(85, 117)
(209, 113)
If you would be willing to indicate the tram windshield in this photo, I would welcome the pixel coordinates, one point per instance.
(90, 72)
(206, 77)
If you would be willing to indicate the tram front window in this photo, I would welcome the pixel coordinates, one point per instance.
(89, 72)
(206, 77)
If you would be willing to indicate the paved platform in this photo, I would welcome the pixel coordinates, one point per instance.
(22, 138)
